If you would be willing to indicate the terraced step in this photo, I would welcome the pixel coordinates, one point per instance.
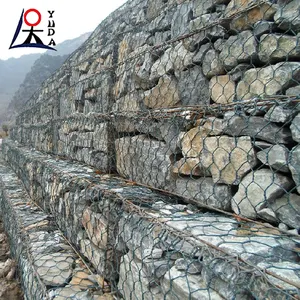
(150, 245)
(49, 267)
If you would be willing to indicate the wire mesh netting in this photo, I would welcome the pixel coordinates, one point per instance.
(188, 112)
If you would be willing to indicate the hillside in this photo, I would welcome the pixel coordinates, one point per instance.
(40, 71)
(14, 72)
(68, 46)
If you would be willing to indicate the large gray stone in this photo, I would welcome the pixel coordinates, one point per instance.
(287, 17)
(173, 59)
(204, 191)
(193, 87)
(294, 165)
(202, 7)
(137, 241)
(257, 128)
(181, 20)
(268, 81)
(262, 27)
(278, 47)
(212, 64)
(134, 282)
(181, 58)
(258, 245)
(162, 65)
(82, 139)
(131, 102)
(160, 38)
(213, 126)
(287, 271)
(144, 160)
(192, 267)
(70, 292)
(295, 128)
(154, 8)
(162, 22)
(199, 56)
(275, 157)
(287, 209)
(219, 44)
(165, 130)
(142, 242)
(279, 114)
(54, 269)
(239, 49)
(186, 286)
(203, 21)
(293, 91)
(156, 268)
(257, 190)
(222, 282)
(268, 215)
(100, 160)
(209, 34)
(142, 69)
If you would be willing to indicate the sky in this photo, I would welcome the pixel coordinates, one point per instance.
(71, 18)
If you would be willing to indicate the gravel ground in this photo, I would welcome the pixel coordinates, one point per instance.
(9, 286)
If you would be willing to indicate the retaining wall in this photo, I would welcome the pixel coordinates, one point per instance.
(196, 98)
(148, 245)
(111, 104)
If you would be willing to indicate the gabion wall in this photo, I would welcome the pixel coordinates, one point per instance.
(196, 99)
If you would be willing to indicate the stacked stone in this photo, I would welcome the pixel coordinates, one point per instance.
(86, 206)
(49, 267)
(244, 55)
(154, 55)
(161, 264)
(60, 189)
(148, 245)
(111, 106)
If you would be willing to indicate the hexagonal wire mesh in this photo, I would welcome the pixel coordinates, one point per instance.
(191, 121)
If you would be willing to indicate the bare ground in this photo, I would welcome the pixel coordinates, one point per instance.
(9, 286)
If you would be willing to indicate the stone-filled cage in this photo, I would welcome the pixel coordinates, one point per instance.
(162, 160)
